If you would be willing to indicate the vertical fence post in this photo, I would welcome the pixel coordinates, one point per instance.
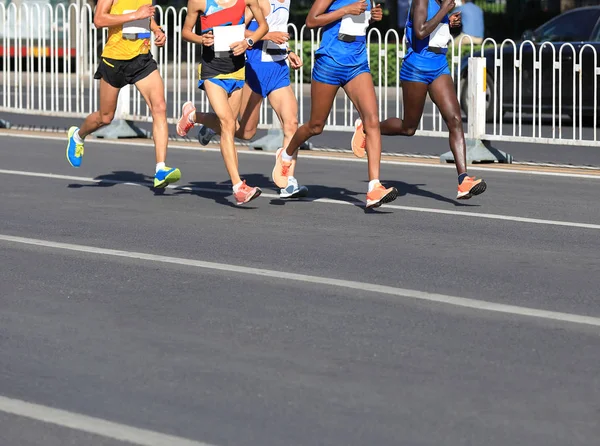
(478, 150)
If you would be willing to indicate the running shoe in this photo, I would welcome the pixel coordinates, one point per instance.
(469, 187)
(359, 140)
(166, 176)
(205, 134)
(293, 190)
(187, 120)
(74, 150)
(380, 195)
(281, 171)
(246, 193)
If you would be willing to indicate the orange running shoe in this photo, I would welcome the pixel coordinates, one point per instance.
(380, 195)
(246, 193)
(359, 140)
(469, 187)
(186, 122)
(281, 171)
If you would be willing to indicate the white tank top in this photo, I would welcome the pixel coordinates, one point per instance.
(278, 21)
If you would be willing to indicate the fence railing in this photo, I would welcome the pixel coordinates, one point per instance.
(540, 93)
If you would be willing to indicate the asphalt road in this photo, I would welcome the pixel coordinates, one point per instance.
(142, 334)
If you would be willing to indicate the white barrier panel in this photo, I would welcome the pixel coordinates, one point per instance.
(535, 92)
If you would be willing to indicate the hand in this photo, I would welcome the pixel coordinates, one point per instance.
(144, 12)
(448, 5)
(239, 48)
(455, 20)
(159, 38)
(208, 39)
(278, 37)
(356, 8)
(295, 61)
(377, 13)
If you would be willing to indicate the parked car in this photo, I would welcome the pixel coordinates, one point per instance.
(578, 27)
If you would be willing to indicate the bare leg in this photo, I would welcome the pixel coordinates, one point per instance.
(108, 104)
(361, 92)
(321, 100)
(413, 98)
(444, 96)
(285, 105)
(152, 89)
(250, 113)
(227, 116)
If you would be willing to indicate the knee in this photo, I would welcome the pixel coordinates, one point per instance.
(228, 125)
(247, 133)
(454, 123)
(410, 131)
(159, 108)
(290, 127)
(316, 127)
(371, 122)
(106, 118)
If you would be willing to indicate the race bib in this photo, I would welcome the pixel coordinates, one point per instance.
(271, 51)
(226, 35)
(355, 25)
(440, 36)
(136, 29)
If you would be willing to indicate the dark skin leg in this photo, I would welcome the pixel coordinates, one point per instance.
(321, 100)
(414, 95)
(443, 95)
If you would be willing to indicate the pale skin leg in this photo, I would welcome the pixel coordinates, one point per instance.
(104, 116)
(152, 90)
(226, 109)
(361, 92)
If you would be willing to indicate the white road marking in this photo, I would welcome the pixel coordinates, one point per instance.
(97, 426)
(317, 200)
(279, 275)
(174, 145)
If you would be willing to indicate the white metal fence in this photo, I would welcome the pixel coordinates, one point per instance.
(535, 92)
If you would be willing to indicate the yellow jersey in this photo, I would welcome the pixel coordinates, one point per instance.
(130, 39)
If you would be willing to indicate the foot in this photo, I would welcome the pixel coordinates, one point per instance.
(293, 190)
(469, 187)
(359, 140)
(380, 195)
(281, 171)
(74, 150)
(246, 193)
(205, 134)
(166, 176)
(187, 120)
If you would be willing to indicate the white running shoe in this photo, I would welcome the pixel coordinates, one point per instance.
(292, 190)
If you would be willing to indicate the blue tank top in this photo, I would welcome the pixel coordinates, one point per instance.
(439, 38)
(343, 52)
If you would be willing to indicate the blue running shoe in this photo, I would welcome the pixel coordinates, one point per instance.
(293, 190)
(74, 150)
(166, 176)
(205, 134)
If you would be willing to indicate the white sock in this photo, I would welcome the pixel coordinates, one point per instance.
(78, 139)
(286, 157)
(372, 184)
(237, 186)
(159, 166)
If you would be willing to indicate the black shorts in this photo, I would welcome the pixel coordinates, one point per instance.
(119, 73)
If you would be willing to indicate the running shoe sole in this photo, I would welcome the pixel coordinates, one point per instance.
(173, 177)
(256, 195)
(300, 193)
(363, 152)
(475, 190)
(388, 198)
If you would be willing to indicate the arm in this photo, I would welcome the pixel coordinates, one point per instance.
(103, 18)
(238, 48)
(421, 25)
(317, 18)
(187, 31)
(159, 36)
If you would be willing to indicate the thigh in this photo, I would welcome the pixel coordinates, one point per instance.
(444, 96)
(321, 100)
(109, 96)
(285, 104)
(250, 109)
(152, 88)
(414, 95)
(219, 101)
(361, 92)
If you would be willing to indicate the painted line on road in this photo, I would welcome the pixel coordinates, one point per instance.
(97, 426)
(474, 304)
(314, 156)
(317, 200)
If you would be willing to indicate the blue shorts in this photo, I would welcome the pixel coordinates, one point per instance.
(265, 77)
(425, 69)
(229, 85)
(328, 71)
